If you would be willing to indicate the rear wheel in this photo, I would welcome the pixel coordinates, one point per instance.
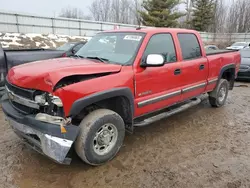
(218, 96)
(101, 136)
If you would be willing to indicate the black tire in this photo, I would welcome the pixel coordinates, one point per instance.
(89, 127)
(215, 97)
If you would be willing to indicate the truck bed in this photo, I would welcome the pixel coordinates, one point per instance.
(213, 52)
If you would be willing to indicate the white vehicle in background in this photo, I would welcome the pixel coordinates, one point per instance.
(211, 47)
(239, 46)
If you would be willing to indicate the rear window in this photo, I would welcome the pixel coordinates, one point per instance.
(189, 46)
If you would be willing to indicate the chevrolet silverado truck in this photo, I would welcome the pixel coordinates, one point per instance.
(119, 80)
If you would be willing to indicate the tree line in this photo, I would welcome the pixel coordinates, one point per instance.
(218, 16)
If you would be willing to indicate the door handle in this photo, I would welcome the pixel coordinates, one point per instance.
(177, 71)
(202, 67)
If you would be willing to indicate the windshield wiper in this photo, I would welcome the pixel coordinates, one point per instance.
(98, 58)
(79, 56)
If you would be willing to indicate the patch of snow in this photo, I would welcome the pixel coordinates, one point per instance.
(75, 37)
(4, 44)
(52, 36)
(33, 35)
(23, 36)
(54, 44)
(63, 35)
(45, 47)
(11, 36)
(8, 44)
(38, 44)
(62, 40)
(87, 38)
(10, 40)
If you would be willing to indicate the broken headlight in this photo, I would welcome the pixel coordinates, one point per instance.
(57, 101)
(44, 99)
(40, 99)
(49, 104)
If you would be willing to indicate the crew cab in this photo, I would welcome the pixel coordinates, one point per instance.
(119, 80)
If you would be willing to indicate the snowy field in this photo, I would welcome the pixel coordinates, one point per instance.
(24, 41)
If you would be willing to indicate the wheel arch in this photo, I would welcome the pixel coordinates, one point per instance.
(228, 72)
(120, 100)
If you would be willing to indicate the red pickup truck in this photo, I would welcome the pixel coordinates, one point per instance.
(117, 81)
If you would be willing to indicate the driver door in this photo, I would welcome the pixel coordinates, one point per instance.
(158, 87)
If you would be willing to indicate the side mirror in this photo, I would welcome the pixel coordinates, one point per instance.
(73, 51)
(153, 60)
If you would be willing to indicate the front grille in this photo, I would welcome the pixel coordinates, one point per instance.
(24, 109)
(26, 93)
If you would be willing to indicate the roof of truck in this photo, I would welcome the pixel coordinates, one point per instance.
(154, 30)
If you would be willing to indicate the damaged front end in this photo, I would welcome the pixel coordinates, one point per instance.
(38, 118)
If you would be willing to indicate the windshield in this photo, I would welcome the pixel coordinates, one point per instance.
(66, 46)
(245, 54)
(117, 47)
(239, 44)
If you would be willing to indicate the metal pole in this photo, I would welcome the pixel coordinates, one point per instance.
(17, 23)
(53, 28)
(80, 30)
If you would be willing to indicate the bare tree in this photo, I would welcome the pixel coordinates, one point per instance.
(189, 6)
(238, 18)
(119, 11)
(220, 16)
(244, 16)
(100, 10)
(219, 20)
(71, 12)
(136, 8)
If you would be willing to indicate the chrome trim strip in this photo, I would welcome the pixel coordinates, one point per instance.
(21, 100)
(194, 87)
(169, 95)
(159, 98)
(212, 81)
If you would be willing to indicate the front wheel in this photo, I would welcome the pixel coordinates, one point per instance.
(101, 136)
(218, 96)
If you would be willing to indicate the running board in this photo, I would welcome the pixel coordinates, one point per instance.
(168, 113)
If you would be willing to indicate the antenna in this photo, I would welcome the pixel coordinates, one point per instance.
(139, 24)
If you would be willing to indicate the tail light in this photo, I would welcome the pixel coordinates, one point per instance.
(64, 55)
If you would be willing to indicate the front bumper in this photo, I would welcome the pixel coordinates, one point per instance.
(45, 138)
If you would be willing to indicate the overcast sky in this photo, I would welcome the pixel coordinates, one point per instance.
(43, 7)
(46, 7)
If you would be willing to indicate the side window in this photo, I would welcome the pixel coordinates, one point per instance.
(77, 47)
(189, 46)
(162, 44)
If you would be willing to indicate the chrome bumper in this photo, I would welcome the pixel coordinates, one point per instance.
(53, 147)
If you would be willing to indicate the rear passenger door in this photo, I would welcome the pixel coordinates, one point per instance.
(194, 66)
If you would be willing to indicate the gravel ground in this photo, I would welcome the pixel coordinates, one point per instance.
(201, 147)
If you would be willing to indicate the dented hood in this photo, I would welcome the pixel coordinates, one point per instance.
(43, 75)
